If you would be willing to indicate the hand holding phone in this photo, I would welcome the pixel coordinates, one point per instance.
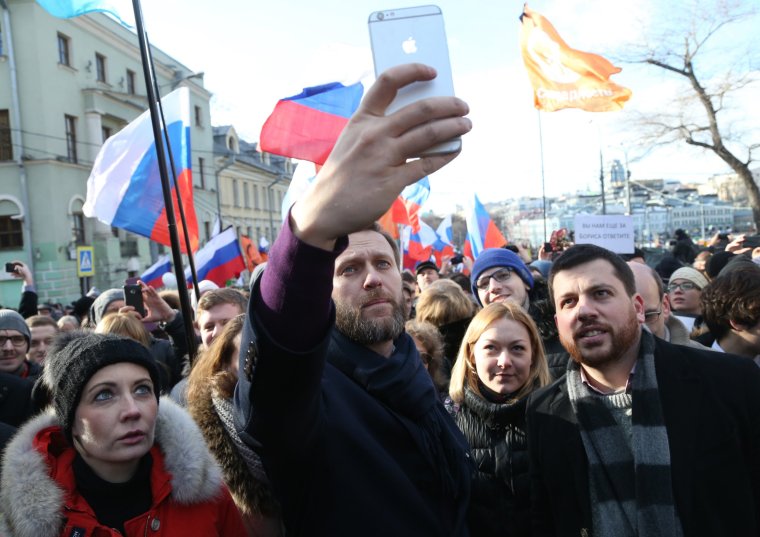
(133, 297)
(414, 35)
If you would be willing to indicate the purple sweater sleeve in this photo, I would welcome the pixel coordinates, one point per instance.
(293, 297)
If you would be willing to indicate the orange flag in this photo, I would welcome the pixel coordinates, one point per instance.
(563, 77)
(252, 255)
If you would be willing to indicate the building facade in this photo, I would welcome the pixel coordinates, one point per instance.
(65, 86)
(252, 185)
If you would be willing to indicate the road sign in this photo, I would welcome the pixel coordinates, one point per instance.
(85, 261)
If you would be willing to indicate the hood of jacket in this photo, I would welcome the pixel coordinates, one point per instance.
(32, 502)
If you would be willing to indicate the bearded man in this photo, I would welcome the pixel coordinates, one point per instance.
(640, 437)
(332, 393)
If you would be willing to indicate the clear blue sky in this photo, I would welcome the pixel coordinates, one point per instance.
(254, 53)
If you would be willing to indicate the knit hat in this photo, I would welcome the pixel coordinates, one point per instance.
(543, 266)
(717, 262)
(98, 308)
(690, 274)
(422, 265)
(12, 320)
(499, 257)
(74, 357)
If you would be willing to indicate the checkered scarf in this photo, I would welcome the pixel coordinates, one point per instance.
(630, 483)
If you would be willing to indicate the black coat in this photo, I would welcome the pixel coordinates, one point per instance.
(500, 498)
(711, 407)
(15, 399)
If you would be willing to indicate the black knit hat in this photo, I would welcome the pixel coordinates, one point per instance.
(74, 357)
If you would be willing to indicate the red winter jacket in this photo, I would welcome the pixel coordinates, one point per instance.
(39, 496)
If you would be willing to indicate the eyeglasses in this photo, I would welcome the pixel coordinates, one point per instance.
(651, 316)
(684, 286)
(16, 340)
(499, 276)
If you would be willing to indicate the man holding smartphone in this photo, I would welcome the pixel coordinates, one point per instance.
(350, 430)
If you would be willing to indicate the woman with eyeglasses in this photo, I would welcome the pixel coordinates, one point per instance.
(684, 292)
(499, 275)
(500, 363)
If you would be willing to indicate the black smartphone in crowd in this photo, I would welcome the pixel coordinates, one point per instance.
(548, 247)
(751, 241)
(133, 297)
(457, 259)
(10, 267)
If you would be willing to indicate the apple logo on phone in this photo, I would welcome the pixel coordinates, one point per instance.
(409, 45)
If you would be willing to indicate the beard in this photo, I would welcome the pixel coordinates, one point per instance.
(349, 320)
(622, 339)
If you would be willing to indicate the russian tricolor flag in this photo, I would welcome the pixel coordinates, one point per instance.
(405, 210)
(124, 187)
(482, 233)
(219, 260)
(152, 276)
(306, 126)
(443, 246)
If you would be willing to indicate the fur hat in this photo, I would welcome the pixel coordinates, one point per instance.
(75, 357)
(12, 320)
(689, 274)
(499, 257)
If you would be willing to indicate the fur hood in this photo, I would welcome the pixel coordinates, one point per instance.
(31, 502)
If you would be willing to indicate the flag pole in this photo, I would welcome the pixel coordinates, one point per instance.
(184, 298)
(543, 183)
(180, 205)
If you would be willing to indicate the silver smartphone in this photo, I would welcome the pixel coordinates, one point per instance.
(414, 35)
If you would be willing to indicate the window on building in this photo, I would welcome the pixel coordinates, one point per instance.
(249, 231)
(131, 76)
(107, 132)
(78, 228)
(6, 142)
(71, 138)
(128, 247)
(201, 173)
(207, 229)
(235, 193)
(198, 116)
(115, 232)
(64, 50)
(246, 196)
(1, 40)
(256, 197)
(100, 67)
(11, 236)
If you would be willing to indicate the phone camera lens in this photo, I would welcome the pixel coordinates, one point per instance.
(380, 16)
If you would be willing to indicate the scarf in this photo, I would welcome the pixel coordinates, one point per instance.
(402, 384)
(224, 409)
(630, 483)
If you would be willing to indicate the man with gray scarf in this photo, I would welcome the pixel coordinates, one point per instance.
(641, 437)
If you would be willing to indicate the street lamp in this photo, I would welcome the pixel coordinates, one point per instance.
(179, 78)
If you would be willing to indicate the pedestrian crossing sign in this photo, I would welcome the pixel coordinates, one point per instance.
(85, 261)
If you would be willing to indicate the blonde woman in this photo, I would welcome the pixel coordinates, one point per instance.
(500, 362)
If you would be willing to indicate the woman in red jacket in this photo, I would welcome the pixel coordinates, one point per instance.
(108, 460)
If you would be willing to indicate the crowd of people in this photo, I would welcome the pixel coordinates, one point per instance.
(579, 393)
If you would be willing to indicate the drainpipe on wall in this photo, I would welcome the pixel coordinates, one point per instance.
(26, 218)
